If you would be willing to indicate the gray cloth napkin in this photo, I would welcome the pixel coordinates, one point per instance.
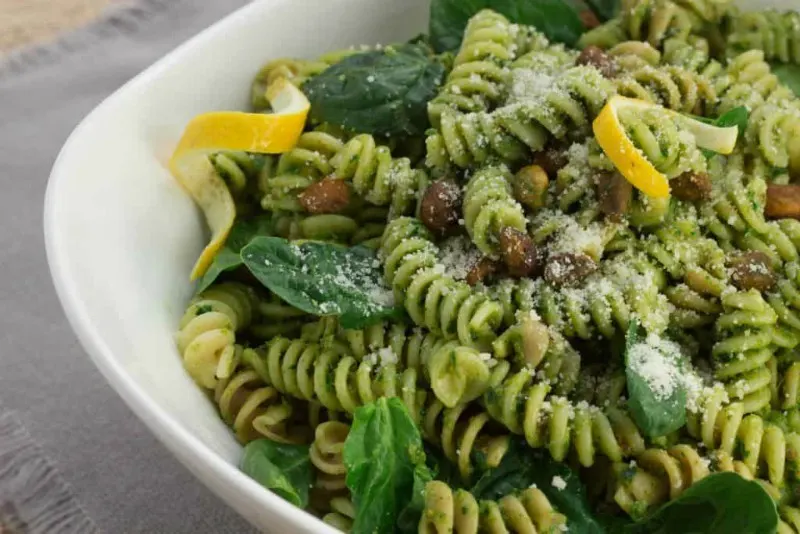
(109, 464)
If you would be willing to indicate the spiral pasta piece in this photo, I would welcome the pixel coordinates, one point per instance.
(433, 299)
(744, 346)
(341, 515)
(563, 103)
(655, 20)
(627, 285)
(478, 78)
(673, 87)
(307, 162)
(575, 97)
(206, 336)
(465, 139)
(458, 512)
(523, 405)
(327, 456)
(692, 54)
(735, 216)
(376, 176)
(328, 373)
(697, 264)
(773, 128)
(255, 410)
(489, 207)
(662, 475)
(776, 34)
(762, 447)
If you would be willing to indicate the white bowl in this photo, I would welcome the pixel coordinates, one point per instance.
(122, 235)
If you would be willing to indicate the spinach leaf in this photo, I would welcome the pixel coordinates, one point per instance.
(441, 468)
(721, 502)
(656, 394)
(521, 467)
(323, 279)
(735, 117)
(604, 9)
(789, 75)
(408, 520)
(284, 469)
(381, 92)
(385, 467)
(555, 18)
(228, 258)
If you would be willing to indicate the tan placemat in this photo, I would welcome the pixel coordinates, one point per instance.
(81, 433)
(27, 22)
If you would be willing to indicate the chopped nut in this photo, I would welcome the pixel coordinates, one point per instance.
(518, 252)
(691, 186)
(783, 201)
(597, 58)
(551, 159)
(568, 268)
(481, 270)
(330, 195)
(752, 270)
(614, 193)
(589, 19)
(441, 206)
(535, 341)
(530, 187)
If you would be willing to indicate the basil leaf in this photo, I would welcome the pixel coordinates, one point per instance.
(789, 75)
(229, 258)
(555, 18)
(721, 502)
(323, 279)
(381, 92)
(284, 469)
(656, 396)
(385, 466)
(604, 9)
(521, 467)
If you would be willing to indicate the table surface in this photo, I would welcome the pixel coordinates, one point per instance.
(120, 475)
(27, 22)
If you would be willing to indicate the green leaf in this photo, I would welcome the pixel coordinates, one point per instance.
(408, 520)
(229, 258)
(735, 117)
(381, 92)
(720, 503)
(604, 9)
(284, 469)
(556, 19)
(789, 75)
(323, 279)
(385, 466)
(441, 468)
(657, 408)
(521, 467)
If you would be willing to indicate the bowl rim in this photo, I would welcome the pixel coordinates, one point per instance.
(167, 429)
